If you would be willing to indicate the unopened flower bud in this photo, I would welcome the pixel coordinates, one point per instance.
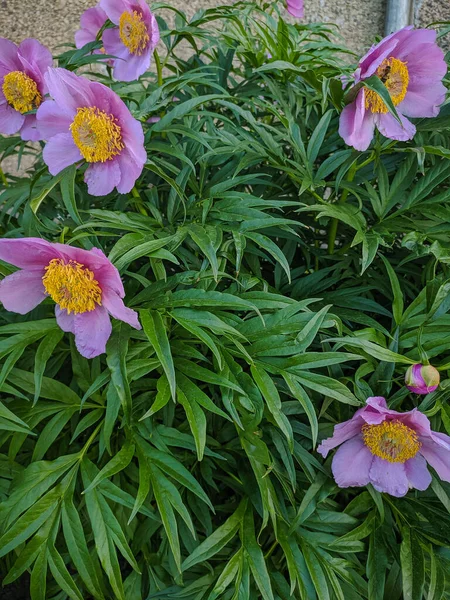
(422, 379)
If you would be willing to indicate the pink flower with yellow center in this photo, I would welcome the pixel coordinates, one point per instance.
(295, 8)
(88, 121)
(411, 65)
(133, 39)
(388, 449)
(84, 284)
(22, 86)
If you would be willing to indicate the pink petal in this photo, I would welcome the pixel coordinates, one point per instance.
(129, 172)
(115, 8)
(391, 128)
(60, 152)
(417, 472)
(423, 99)
(373, 59)
(113, 44)
(342, 432)
(389, 477)
(92, 331)
(69, 90)
(102, 178)
(296, 8)
(351, 464)
(53, 119)
(27, 253)
(92, 20)
(64, 320)
(436, 456)
(22, 291)
(116, 308)
(30, 131)
(35, 54)
(132, 67)
(356, 124)
(441, 439)
(412, 40)
(8, 56)
(10, 120)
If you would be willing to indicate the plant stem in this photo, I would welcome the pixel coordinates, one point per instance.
(334, 222)
(158, 67)
(3, 178)
(139, 203)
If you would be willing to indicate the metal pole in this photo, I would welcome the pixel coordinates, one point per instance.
(399, 13)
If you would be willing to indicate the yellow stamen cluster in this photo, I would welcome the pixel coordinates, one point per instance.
(133, 32)
(97, 134)
(72, 286)
(21, 92)
(395, 76)
(391, 440)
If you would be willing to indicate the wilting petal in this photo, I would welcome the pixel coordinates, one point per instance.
(92, 331)
(392, 129)
(64, 320)
(351, 464)
(116, 308)
(417, 472)
(436, 456)
(102, 177)
(356, 124)
(22, 291)
(389, 477)
(60, 152)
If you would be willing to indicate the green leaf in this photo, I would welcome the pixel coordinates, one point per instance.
(255, 557)
(43, 353)
(116, 355)
(118, 462)
(272, 398)
(412, 563)
(218, 539)
(155, 330)
(197, 421)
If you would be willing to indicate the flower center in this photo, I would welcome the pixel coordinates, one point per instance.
(96, 134)
(72, 286)
(21, 92)
(133, 32)
(391, 440)
(395, 76)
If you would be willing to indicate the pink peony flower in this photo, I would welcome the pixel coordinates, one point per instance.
(422, 379)
(388, 449)
(295, 8)
(134, 38)
(86, 120)
(92, 20)
(85, 285)
(22, 85)
(411, 66)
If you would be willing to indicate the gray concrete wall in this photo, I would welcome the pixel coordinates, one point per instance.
(54, 21)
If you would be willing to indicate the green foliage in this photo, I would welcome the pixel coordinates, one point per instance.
(281, 278)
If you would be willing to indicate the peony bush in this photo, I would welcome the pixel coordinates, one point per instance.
(224, 323)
